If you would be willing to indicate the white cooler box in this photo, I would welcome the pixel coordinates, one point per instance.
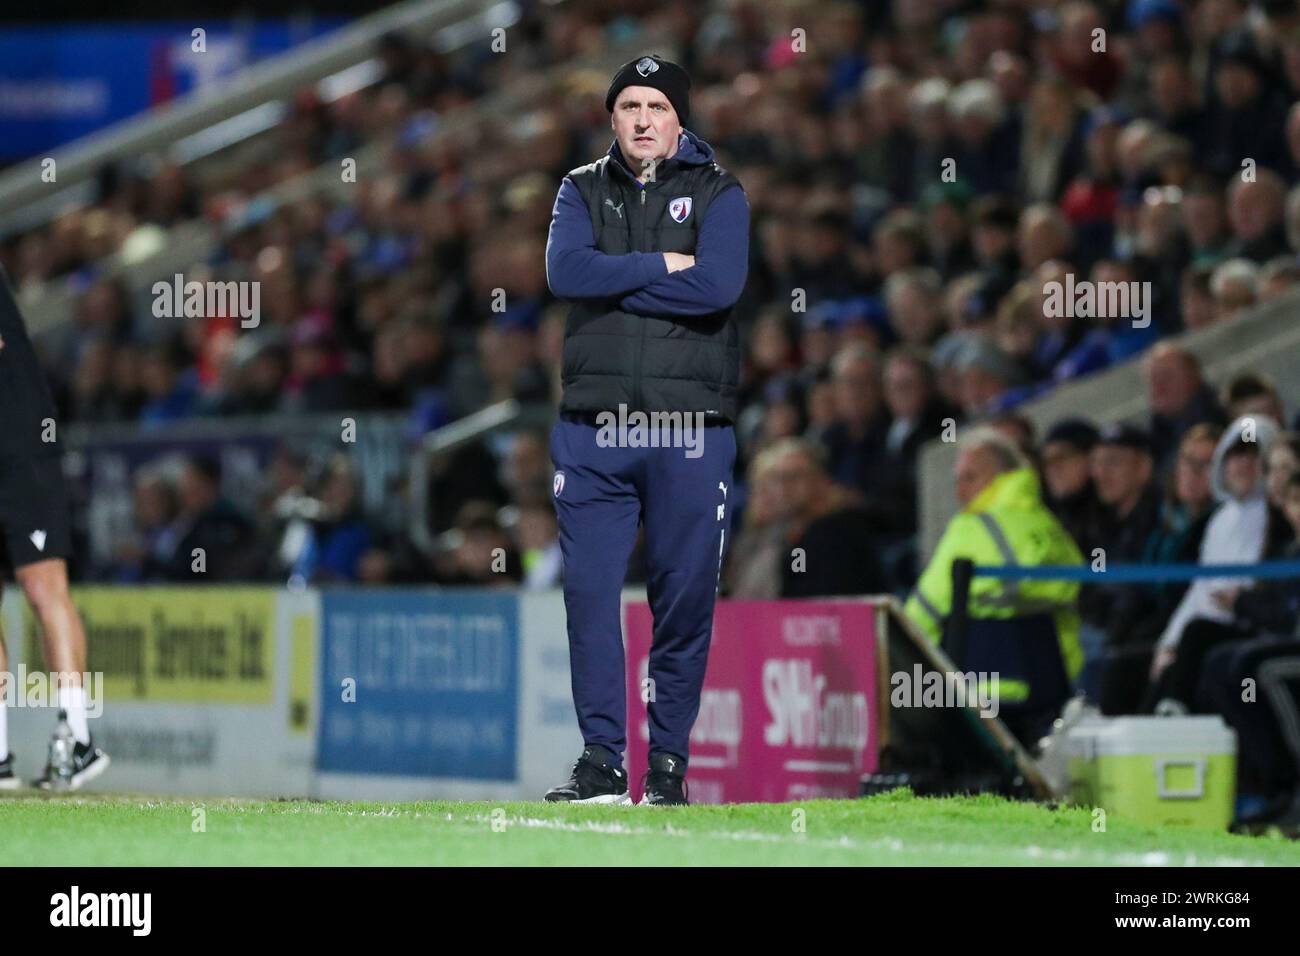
(1156, 770)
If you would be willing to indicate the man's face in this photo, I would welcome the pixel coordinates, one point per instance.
(1293, 133)
(992, 242)
(196, 491)
(797, 483)
(1293, 505)
(1255, 208)
(1281, 465)
(1119, 472)
(1241, 471)
(1065, 468)
(1236, 85)
(905, 388)
(978, 388)
(857, 391)
(976, 469)
(1192, 472)
(646, 126)
(1170, 385)
(1203, 214)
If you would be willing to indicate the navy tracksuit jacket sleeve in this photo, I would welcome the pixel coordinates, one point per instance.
(721, 266)
(576, 269)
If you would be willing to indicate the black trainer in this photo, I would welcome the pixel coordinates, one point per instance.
(665, 782)
(595, 779)
(8, 779)
(88, 762)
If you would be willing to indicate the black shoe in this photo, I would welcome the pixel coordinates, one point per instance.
(595, 780)
(665, 782)
(88, 762)
(8, 779)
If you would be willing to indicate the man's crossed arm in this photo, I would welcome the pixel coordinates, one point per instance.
(645, 282)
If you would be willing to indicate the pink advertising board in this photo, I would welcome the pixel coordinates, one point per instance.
(789, 705)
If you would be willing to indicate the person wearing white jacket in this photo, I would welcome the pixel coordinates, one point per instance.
(1239, 532)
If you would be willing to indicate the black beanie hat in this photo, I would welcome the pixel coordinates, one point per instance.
(1078, 432)
(653, 71)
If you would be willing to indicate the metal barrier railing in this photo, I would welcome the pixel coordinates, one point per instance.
(441, 441)
(964, 571)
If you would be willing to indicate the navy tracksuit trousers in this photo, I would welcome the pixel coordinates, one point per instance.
(602, 495)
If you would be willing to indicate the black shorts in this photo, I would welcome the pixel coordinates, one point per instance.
(34, 520)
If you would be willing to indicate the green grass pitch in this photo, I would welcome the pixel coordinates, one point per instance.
(893, 829)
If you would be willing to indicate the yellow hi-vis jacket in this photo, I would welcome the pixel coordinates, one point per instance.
(1007, 523)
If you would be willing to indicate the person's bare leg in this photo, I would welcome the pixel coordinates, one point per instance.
(63, 638)
(4, 655)
(4, 688)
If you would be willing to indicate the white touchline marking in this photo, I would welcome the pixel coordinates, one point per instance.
(894, 845)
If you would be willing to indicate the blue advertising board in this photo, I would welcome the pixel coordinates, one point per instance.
(60, 82)
(419, 683)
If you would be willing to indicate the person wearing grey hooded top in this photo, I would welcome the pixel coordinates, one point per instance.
(1244, 529)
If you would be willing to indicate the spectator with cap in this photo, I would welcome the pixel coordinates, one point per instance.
(1141, 611)
(1123, 471)
(1067, 480)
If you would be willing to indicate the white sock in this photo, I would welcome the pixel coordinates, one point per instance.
(73, 700)
(4, 729)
